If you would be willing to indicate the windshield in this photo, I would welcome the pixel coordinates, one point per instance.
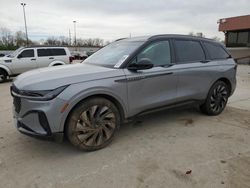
(113, 54)
(13, 54)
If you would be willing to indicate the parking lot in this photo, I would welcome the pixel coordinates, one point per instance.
(173, 148)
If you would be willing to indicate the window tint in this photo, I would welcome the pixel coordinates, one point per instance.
(57, 52)
(216, 51)
(159, 53)
(189, 51)
(43, 52)
(27, 53)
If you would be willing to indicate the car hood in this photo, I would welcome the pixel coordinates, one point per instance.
(2, 59)
(53, 77)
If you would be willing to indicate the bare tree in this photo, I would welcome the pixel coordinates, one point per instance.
(20, 38)
(6, 38)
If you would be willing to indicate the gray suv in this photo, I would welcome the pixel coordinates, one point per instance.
(87, 102)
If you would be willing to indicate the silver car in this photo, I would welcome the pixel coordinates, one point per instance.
(28, 58)
(86, 103)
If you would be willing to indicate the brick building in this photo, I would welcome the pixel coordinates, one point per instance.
(237, 35)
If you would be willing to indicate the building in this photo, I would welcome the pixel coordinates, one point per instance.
(237, 36)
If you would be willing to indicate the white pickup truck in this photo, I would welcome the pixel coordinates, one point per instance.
(24, 59)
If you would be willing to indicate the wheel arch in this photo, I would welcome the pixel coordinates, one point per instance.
(226, 81)
(111, 98)
(5, 69)
(55, 63)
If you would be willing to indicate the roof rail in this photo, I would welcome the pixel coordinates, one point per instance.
(120, 39)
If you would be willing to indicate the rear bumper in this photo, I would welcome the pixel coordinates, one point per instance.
(233, 86)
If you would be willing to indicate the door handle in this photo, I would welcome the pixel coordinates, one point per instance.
(51, 58)
(33, 59)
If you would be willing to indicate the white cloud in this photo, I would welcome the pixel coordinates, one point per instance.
(109, 19)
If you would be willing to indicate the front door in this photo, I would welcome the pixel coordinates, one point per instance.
(155, 87)
(24, 61)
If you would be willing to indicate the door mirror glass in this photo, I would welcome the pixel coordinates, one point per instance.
(142, 64)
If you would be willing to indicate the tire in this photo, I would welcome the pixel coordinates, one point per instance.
(216, 99)
(3, 76)
(92, 124)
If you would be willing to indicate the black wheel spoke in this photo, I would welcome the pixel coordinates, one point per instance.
(218, 98)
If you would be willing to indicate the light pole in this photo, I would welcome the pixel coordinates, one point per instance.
(27, 39)
(75, 31)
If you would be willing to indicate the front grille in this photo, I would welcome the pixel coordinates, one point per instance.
(17, 104)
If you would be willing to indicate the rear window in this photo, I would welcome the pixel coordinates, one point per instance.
(51, 52)
(189, 51)
(57, 52)
(216, 51)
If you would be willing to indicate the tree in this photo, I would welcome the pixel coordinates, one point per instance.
(10, 41)
(6, 38)
(20, 38)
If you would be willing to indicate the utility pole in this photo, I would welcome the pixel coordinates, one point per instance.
(27, 39)
(75, 31)
(69, 38)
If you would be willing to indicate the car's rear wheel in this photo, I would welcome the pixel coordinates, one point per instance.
(217, 99)
(3, 76)
(93, 124)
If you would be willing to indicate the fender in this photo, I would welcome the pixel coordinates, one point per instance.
(57, 62)
(6, 69)
(88, 93)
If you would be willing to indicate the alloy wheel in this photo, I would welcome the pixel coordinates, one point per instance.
(218, 98)
(95, 125)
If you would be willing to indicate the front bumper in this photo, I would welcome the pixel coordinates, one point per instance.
(40, 119)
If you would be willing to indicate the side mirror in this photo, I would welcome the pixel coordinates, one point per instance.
(143, 64)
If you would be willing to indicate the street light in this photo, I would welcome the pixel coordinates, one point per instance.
(27, 40)
(75, 30)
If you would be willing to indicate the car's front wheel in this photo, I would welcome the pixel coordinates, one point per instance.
(3, 76)
(216, 99)
(93, 124)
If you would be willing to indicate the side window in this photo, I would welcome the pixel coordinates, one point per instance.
(57, 51)
(26, 54)
(216, 51)
(43, 52)
(158, 52)
(189, 51)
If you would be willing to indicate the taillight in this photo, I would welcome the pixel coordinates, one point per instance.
(235, 67)
(71, 59)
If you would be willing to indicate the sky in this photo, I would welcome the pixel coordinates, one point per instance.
(112, 19)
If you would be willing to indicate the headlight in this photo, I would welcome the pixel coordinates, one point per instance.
(38, 95)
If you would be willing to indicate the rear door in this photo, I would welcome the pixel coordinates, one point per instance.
(24, 61)
(49, 55)
(44, 57)
(194, 70)
(154, 87)
(59, 54)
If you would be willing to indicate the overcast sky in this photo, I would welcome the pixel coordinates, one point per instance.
(111, 19)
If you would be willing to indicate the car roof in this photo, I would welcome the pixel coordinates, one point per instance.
(161, 36)
(45, 46)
